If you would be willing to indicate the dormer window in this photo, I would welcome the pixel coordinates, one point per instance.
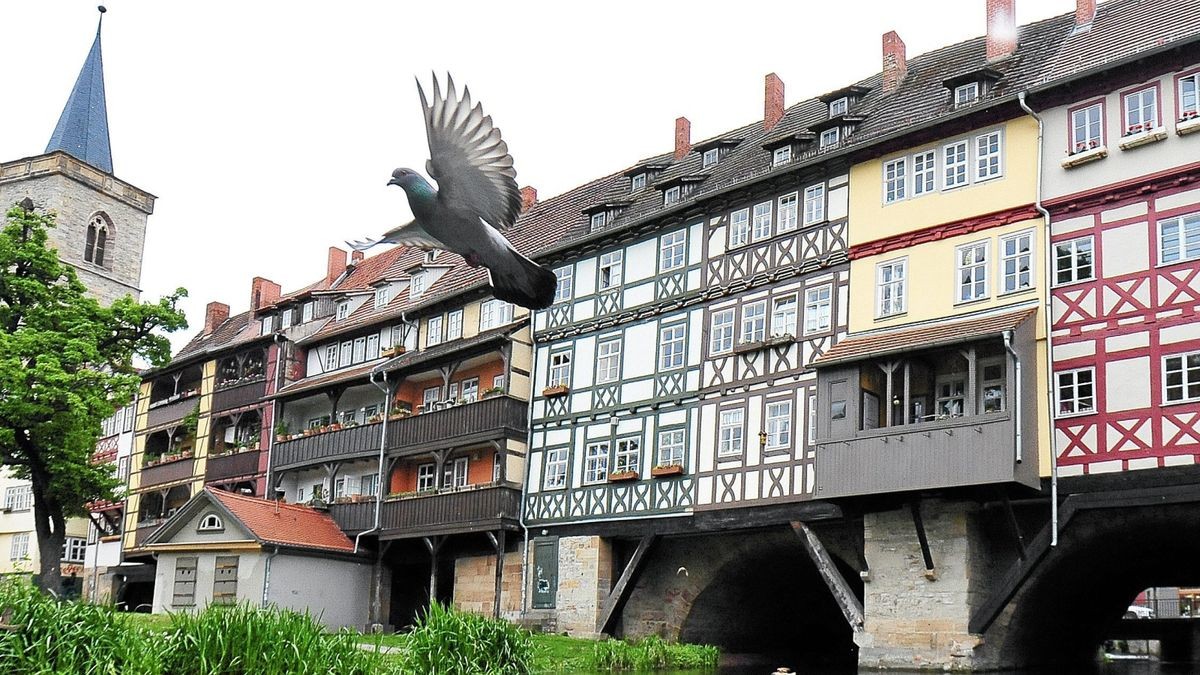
(286, 318)
(211, 523)
(598, 220)
(830, 137)
(306, 313)
(431, 255)
(672, 195)
(711, 157)
(966, 94)
(638, 182)
(343, 310)
(782, 155)
(382, 295)
(417, 286)
(839, 107)
(268, 324)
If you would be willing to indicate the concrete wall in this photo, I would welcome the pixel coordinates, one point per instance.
(251, 572)
(337, 590)
(475, 584)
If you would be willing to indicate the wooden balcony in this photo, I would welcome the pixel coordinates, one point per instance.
(145, 530)
(472, 509)
(232, 465)
(492, 418)
(238, 395)
(171, 412)
(170, 472)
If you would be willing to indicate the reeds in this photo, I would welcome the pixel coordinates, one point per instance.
(449, 642)
(651, 653)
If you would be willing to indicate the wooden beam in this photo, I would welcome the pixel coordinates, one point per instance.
(498, 542)
(849, 603)
(919, 524)
(624, 586)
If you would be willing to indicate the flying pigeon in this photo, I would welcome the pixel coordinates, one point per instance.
(476, 198)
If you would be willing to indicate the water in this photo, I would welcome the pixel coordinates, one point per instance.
(1119, 667)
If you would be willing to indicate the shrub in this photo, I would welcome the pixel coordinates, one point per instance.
(651, 653)
(450, 642)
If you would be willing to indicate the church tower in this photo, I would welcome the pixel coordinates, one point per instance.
(101, 220)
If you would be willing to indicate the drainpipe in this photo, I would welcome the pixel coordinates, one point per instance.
(528, 450)
(279, 341)
(267, 576)
(1008, 336)
(1049, 261)
(387, 400)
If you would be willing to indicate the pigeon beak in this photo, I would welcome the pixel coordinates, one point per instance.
(393, 182)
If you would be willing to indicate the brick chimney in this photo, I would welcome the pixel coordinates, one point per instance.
(356, 257)
(772, 101)
(263, 292)
(683, 138)
(528, 197)
(214, 315)
(895, 61)
(336, 265)
(1001, 28)
(1085, 11)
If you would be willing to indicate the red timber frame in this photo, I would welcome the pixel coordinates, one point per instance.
(1130, 315)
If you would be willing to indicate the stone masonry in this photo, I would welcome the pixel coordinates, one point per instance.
(475, 584)
(585, 575)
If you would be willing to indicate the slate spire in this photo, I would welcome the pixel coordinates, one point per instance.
(82, 129)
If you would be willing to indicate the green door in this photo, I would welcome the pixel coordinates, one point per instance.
(545, 573)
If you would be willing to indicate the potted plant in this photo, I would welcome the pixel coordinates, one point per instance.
(374, 418)
(336, 426)
(281, 431)
(622, 476)
(556, 390)
(667, 470)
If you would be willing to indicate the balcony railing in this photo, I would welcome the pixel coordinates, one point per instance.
(238, 395)
(145, 530)
(232, 465)
(446, 512)
(171, 412)
(167, 473)
(490, 418)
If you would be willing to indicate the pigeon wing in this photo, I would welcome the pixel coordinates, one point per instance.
(468, 158)
(409, 234)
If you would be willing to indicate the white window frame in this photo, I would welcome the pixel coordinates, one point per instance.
(368, 484)
(739, 228)
(595, 462)
(360, 350)
(613, 263)
(671, 447)
(672, 250)
(627, 456)
(781, 155)
(891, 294)
(559, 372)
(829, 138)
(1069, 381)
(754, 322)
(814, 204)
(18, 498)
(973, 286)
(1072, 247)
(956, 162)
(382, 295)
(761, 228)
(637, 182)
(966, 94)
(456, 473)
(597, 221)
(372, 346)
(346, 354)
(788, 216)
(1186, 237)
(818, 306)
(895, 180)
(454, 325)
(731, 433)
(1182, 95)
(779, 425)
(924, 173)
(672, 346)
(989, 156)
(784, 312)
(19, 547)
(343, 311)
(608, 360)
(566, 283)
(430, 396)
(711, 157)
(285, 317)
(470, 390)
(555, 475)
(1141, 108)
(839, 107)
(1010, 281)
(434, 331)
(1082, 120)
(672, 195)
(812, 420)
(426, 477)
(721, 331)
(1189, 377)
(331, 357)
(416, 285)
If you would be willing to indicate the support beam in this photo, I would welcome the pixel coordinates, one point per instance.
(849, 603)
(1014, 527)
(624, 586)
(434, 544)
(919, 524)
(498, 543)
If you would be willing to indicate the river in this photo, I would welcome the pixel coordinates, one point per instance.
(1119, 667)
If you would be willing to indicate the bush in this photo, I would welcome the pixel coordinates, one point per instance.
(450, 642)
(651, 653)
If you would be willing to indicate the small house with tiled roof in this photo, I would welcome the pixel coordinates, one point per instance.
(226, 548)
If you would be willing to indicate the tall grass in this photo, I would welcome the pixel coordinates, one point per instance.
(450, 642)
(651, 653)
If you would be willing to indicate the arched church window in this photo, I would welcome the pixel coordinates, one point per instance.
(99, 239)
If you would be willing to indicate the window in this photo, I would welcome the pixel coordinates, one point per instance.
(783, 316)
(343, 311)
(814, 204)
(1179, 238)
(1073, 260)
(894, 180)
(306, 311)
(498, 382)
(1016, 262)
(890, 278)
(494, 313)
(762, 220)
(951, 396)
(839, 107)
(731, 435)
(372, 347)
(987, 156)
(19, 498)
(628, 456)
(812, 418)
(829, 138)
(430, 396)
(597, 221)
(721, 335)
(211, 523)
(416, 285)
(670, 448)
(671, 250)
(184, 591)
(470, 389)
(817, 305)
(924, 172)
(782, 155)
(435, 331)
(1182, 377)
(267, 324)
(382, 295)
(754, 322)
(954, 166)
(19, 549)
(123, 464)
(454, 325)
(787, 212)
(1076, 391)
(285, 318)
(610, 269)
(779, 425)
(360, 349)
(672, 195)
(1141, 110)
(566, 283)
(671, 345)
(991, 385)
(971, 264)
(431, 255)
(331, 357)
(560, 369)
(1087, 128)
(739, 228)
(608, 361)
(638, 182)
(595, 463)
(1189, 96)
(225, 579)
(425, 477)
(711, 157)
(339, 485)
(966, 94)
(345, 354)
(556, 469)
(97, 240)
(454, 474)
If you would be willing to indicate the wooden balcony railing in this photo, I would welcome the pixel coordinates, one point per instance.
(238, 395)
(171, 412)
(344, 444)
(473, 509)
(144, 530)
(232, 465)
(167, 473)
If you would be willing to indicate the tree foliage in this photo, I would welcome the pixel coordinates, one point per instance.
(66, 364)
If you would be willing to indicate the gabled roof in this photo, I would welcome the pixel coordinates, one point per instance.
(82, 129)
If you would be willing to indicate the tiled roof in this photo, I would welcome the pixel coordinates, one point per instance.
(925, 336)
(285, 524)
(82, 129)
(235, 330)
(1123, 28)
(310, 383)
(423, 356)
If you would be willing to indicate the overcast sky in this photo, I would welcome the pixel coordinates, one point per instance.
(268, 130)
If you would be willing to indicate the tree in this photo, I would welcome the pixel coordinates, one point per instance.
(66, 364)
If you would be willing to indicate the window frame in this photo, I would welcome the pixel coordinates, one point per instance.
(661, 446)
(1180, 110)
(901, 284)
(749, 333)
(559, 374)
(998, 155)
(672, 195)
(454, 324)
(785, 420)
(1185, 242)
(615, 267)
(1139, 91)
(927, 174)
(595, 462)
(597, 221)
(777, 317)
(976, 266)
(711, 156)
(1185, 383)
(895, 180)
(788, 209)
(672, 250)
(964, 165)
(814, 196)
(839, 107)
(1004, 257)
(810, 307)
(739, 232)
(434, 330)
(555, 468)
(722, 342)
(976, 94)
(1074, 386)
(383, 295)
(610, 372)
(735, 444)
(426, 477)
(672, 347)
(1090, 239)
(637, 182)
(781, 155)
(627, 455)
(760, 220)
(829, 138)
(1072, 140)
(565, 277)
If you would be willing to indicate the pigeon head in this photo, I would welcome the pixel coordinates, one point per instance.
(403, 177)
(413, 183)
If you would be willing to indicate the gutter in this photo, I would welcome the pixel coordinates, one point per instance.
(1048, 261)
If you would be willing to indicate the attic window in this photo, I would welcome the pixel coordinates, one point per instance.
(966, 94)
(839, 107)
(431, 255)
(343, 310)
(268, 323)
(306, 313)
(417, 286)
(382, 295)
(211, 523)
(782, 155)
(598, 220)
(829, 137)
(638, 182)
(672, 195)
(711, 157)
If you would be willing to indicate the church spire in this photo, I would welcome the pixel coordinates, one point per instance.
(82, 129)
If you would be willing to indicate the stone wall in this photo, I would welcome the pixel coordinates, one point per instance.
(585, 575)
(475, 584)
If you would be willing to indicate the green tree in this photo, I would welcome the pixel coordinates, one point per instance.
(66, 363)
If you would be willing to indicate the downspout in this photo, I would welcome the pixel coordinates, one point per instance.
(1008, 336)
(279, 341)
(528, 451)
(1049, 261)
(267, 577)
(376, 602)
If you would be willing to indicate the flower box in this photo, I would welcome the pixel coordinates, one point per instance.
(1190, 123)
(1072, 161)
(1143, 136)
(494, 391)
(556, 390)
(622, 476)
(668, 470)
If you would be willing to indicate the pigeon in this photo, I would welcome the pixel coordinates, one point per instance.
(475, 200)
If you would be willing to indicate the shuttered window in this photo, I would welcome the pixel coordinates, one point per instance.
(225, 580)
(185, 582)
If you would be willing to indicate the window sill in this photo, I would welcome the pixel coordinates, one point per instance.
(1186, 401)
(1143, 138)
(1188, 126)
(730, 458)
(1085, 157)
(972, 301)
(1077, 282)
(1068, 416)
(1019, 291)
(889, 317)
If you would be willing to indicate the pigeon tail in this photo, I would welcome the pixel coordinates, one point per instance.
(523, 282)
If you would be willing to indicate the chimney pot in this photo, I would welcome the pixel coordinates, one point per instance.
(1085, 11)
(683, 138)
(263, 292)
(772, 101)
(336, 265)
(1001, 28)
(214, 315)
(895, 61)
(528, 197)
